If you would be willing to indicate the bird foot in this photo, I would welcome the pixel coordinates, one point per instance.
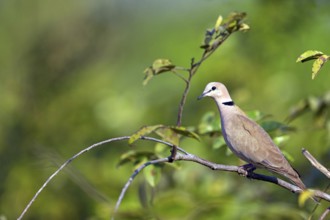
(246, 169)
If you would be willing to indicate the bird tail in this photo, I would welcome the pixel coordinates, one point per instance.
(297, 181)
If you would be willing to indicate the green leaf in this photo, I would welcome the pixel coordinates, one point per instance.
(162, 65)
(185, 132)
(222, 29)
(309, 55)
(244, 27)
(152, 174)
(158, 66)
(318, 63)
(149, 73)
(143, 131)
(133, 156)
(234, 21)
(168, 135)
(218, 23)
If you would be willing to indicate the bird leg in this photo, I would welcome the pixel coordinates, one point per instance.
(246, 169)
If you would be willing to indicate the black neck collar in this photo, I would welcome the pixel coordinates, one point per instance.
(230, 103)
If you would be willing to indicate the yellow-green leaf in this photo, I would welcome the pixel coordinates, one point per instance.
(149, 73)
(141, 132)
(218, 23)
(309, 55)
(244, 27)
(318, 64)
(152, 174)
(158, 66)
(304, 196)
(168, 135)
(133, 156)
(162, 65)
(185, 132)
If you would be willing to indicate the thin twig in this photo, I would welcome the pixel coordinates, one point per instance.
(325, 213)
(183, 100)
(315, 163)
(130, 180)
(192, 71)
(64, 165)
(79, 154)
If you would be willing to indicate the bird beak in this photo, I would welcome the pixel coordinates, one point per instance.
(203, 95)
(200, 97)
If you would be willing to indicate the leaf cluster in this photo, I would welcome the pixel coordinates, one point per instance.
(319, 57)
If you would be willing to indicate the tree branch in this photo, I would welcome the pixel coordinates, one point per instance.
(66, 163)
(315, 163)
(325, 213)
(214, 166)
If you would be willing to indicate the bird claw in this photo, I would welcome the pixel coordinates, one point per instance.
(246, 169)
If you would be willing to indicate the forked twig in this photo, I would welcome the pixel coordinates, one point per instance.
(220, 167)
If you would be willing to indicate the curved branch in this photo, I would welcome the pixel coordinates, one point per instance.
(131, 178)
(79, 154)
(64, 165)
(184, 156)
(214, 166)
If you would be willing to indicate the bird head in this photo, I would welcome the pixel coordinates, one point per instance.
(215, 90)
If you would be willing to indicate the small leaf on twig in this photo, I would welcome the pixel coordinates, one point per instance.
(218, 23)
(244, 27)
(143, 131)
(158, 66)
(152, 174)
(222, 29)
(133, 156)
(309, 55)
(185, 132)
(162, 65)
(318, 63)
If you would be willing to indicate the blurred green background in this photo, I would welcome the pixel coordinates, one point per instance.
(71, 75)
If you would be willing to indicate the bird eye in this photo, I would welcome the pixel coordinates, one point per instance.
(214, 88)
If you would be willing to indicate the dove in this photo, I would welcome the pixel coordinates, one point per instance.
(246, 139)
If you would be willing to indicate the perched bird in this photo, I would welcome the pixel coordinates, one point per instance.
(246, 139)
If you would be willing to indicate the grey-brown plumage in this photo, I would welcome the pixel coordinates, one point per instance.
(246, 138)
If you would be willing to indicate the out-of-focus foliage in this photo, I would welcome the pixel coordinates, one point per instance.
(71, 76)
(319, 57)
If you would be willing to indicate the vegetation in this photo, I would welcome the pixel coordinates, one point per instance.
(81, 71)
